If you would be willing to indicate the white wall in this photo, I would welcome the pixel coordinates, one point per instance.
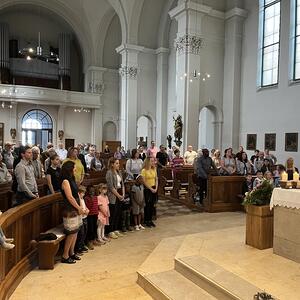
(206, 129)
(271, 110)
(78, 126)
(147, 82)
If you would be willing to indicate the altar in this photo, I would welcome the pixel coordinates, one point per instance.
(286, 205)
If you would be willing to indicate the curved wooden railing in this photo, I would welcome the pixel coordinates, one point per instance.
(24, 223)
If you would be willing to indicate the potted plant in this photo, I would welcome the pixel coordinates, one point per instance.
(259, 220)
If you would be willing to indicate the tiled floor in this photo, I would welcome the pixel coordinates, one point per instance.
(169, 208)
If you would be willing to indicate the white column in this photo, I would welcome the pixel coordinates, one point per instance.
(60, 123)
(232, 77)
(96, 132)
(188, 45)
(218, 135)
(129, 96)
(94, 83)
(13, 117)
(162, 95)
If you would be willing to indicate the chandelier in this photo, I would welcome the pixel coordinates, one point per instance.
(195, 75)
(79, 110)
(31, 52)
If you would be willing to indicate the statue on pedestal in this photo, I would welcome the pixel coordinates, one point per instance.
(60, 134)
(178, 125)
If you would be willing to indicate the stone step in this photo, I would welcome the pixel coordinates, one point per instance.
(214, 279)
(172, 285)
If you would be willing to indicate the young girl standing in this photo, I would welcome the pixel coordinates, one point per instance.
(103, 216)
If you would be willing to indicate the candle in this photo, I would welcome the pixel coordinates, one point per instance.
(284, 176)
(296, 176)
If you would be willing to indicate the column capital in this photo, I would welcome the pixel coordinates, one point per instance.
(236, 12)
(189, 43)
(189, 5)
(128, 72)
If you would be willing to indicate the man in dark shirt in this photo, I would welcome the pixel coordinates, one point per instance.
(162, 158)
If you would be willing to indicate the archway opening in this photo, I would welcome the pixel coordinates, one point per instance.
(37, 128)
(206, 131)
(144, 131)
(109, 131)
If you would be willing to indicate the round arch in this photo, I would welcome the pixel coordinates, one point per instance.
(210, 126)
(37, 128)
(79, 27)
(145, 129)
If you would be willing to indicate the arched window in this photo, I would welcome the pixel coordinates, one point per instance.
(37, 128)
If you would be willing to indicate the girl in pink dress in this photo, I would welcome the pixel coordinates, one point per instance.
(103, 216)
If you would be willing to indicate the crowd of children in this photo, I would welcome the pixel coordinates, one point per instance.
(96, 214)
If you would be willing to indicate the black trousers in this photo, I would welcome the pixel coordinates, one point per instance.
(81, 236)
(92, 227)
(21, 198)
(115, 216)
(150, 200)
(202, 188)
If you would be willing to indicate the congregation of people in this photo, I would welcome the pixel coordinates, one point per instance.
(93, 215)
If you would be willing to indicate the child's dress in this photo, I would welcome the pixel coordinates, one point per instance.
(104, 214)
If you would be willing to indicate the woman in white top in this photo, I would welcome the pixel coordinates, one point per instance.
(134, 165)
(228, 166)
(217, 159)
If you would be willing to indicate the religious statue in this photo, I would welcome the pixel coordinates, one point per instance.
(61, 134)
(169, 139)
(13, 133)
(178, 125)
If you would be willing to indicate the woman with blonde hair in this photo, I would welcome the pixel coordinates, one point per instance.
(290, 168)
(150, 189)
(217, 159)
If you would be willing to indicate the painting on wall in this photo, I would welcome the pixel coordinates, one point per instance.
(270, 141)
(251, 141)
(291, 142)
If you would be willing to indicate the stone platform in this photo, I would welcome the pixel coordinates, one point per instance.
(217, 265)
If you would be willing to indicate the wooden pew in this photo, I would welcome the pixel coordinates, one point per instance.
(165, 181)
(6, 195)
(222, 193)
(24, 223)
(181, 181)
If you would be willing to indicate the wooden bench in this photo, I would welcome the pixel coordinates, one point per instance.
(181, 182)
(47, 250)
(165, 181)
(222, 193)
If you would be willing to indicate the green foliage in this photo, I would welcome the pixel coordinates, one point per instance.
(260, 196)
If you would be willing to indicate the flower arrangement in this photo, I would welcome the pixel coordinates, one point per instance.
(261, 195)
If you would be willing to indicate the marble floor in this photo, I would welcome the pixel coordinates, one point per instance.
(109, 271)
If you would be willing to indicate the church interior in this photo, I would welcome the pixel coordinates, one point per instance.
(145, 151)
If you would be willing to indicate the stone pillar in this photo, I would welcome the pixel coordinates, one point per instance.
(94, 83)
(64, 48)
(96, 132)
(162, 95)
(129, 96)
(60, 123)
(232, 77)
(4, 53)
(218, 135)
(188, 45)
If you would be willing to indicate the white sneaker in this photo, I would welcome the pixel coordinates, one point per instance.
(7, 246)
(141, 227)
(137, 228)
(118, 233)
